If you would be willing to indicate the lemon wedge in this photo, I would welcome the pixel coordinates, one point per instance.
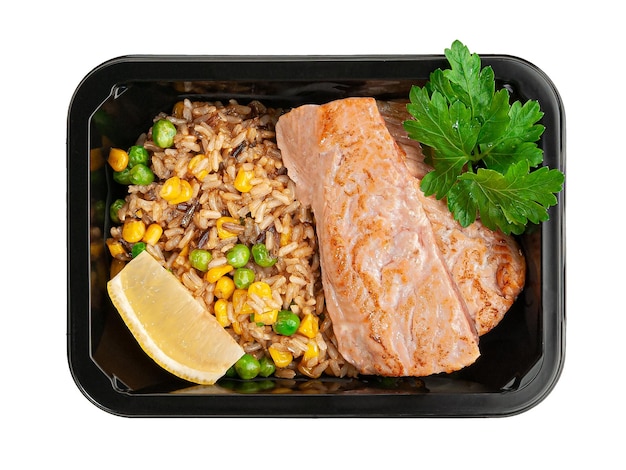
(169, 324)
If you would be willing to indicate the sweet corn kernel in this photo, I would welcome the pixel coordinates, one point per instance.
(222, 232)
(237, 327)
(178, 109)
(186, 193)
(118, 159)
(133, 230)
(240, 305)
(309, 326)
(285, 236)
(171, 189)
(260, 288)
(213, 274)
(182, 257)
(280, 358)
(243, 180)
(115, 247)
(312, 351)
(224, 288)
(194, 167)
(221, 312)
(153, 234)
(267, 318)
(193, 163)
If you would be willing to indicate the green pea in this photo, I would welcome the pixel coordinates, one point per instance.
(231, 372)
(267, 367)
(163, 133)
(287, 323)
(200, 259)
(141, 174)
(238, 255)
(115, 209)
(262, 257)
(122, 177)
(243, 277)
(247, 366)
(138, 154)
(138, 248)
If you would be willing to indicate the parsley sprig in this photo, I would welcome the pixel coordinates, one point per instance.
(483, 149)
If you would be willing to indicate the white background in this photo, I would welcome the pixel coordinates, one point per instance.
(47, 48)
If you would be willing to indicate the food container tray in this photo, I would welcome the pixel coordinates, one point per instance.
(521, 358)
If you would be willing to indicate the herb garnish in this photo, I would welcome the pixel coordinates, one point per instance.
(483, 150)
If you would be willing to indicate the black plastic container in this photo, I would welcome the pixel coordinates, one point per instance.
(521, 358)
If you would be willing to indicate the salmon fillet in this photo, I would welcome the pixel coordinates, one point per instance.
(394, 306)
(487, 266)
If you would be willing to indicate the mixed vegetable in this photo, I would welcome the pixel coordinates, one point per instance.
(235, 282)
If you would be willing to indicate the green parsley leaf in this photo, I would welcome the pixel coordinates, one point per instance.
(517, 142)
(506, 201)
(449, 130)
(483, 150)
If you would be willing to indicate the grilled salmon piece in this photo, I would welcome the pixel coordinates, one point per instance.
(488, 266)
(394, 306)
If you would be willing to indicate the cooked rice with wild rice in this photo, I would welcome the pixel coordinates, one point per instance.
(213, 143)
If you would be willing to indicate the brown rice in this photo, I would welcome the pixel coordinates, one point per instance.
(231, 136)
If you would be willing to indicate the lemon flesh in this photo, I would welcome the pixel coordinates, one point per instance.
(169, 324)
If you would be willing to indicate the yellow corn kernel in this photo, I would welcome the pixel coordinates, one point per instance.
(260, 288)
(222, 232)
(309, 326)
(178, 108)
(267, 318)
(224, 288)
(193, 166)
(237, 327)
(312, 351)
(182, 257)
(194, 161)
(243, 180)
(118, 159)
(115, 247)
(280, 358)
(133, 230)
(221, 312)
(285, 236)
(153, 234)
(171, 189)
(213, 274)
(186, 193)
(239, 302)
